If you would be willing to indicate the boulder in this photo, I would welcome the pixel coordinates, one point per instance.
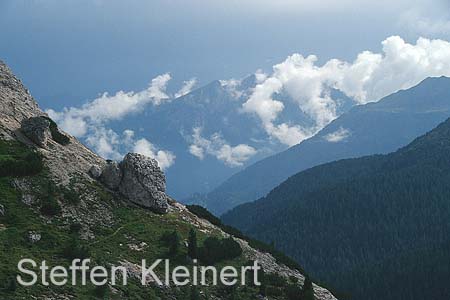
(34, 236)
(2, 211)
(143, 182)
(95, 172)
(37, 129)
(111, 175)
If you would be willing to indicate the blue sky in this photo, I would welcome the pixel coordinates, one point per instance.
(70, 51)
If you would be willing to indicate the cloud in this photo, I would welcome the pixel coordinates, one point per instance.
(110, 107)
(370, 77)
(89, 122)
(216, 146)
(165, 158)
(427, 19)
(337, 136)
(108, 144)
(186, 88)
(105, 142)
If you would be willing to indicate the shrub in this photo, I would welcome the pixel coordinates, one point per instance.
(30, 164)
(307, 290)
(293, 292)
(49, 206)
(57, 136)
(280, 257)
(273, 292)
(172, 241)
(215, 250)
(101, 291)
(192, 244)
(71, 196)
(75, 228)
(74, 250)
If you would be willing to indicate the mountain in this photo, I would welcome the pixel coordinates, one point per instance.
(59, 202)
(216, 110)
(374, 128)
(381, 222)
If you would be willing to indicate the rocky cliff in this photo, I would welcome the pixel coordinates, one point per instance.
(79, 204)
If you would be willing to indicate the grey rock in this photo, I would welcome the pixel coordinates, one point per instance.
(34, 236)
(111, 175)
(2, 210)
(37, 129)
(95, 172)
(143, 182)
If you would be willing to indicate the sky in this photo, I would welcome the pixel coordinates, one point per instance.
(69, 51)
(90, 63)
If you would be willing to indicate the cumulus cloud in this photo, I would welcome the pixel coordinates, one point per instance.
(108, 144)
(186, 88)
(164, 158)
(368, 78)
(337, 136)
(89, 122)
(216, 146)
(76, 120)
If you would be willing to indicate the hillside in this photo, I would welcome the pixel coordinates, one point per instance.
(381, 223)
(59, 201)
(375, 128)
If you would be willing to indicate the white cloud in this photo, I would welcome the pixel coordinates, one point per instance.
(337, 136)
(232, 86)
(216, 146)
(105, 142)
(107, 107)
(186, 88)
(111, 145)
(368, 78)
(89, 120)
(165, 159)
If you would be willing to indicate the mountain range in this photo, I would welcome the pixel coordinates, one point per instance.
(203, 129)
(375, 128)
(381, 223)
(59, 201)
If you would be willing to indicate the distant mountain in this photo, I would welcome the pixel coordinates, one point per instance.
(381, 222)
(59, 202)
(375, 128)
(217, 110)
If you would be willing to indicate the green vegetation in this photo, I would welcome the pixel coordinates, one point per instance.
(162, 236)
(18, 160)
(377, 227)
(280, 257)
(192, 244)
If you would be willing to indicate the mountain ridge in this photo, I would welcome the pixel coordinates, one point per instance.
(59, 211)
(377, 215)
(379, 127)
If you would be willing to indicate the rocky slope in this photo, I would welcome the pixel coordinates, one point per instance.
(81, 205)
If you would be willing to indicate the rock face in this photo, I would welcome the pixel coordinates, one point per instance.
(111, 175)
(143, 182)
(37, 129)
(139, 179)
(95, 172)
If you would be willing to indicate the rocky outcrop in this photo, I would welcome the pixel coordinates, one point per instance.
(37, 129)
(139, 179)
(111, 175)
(34, 237)
(143, 182)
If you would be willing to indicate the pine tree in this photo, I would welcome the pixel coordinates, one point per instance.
(192, 244)
(194, 293)
(174, 243)
(307, 290)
